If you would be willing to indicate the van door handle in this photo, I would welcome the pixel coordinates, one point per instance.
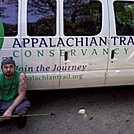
(66, 56)
(112, 54)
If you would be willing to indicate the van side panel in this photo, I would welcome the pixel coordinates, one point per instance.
(10, 30)
(121, 63)
(68, 43)
(40, 49)
(85, 29)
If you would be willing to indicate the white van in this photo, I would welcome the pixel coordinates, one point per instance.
(69, 44)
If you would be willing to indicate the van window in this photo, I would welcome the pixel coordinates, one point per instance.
(82, 17)
(124, 15)
(9, 16)
(41, 17)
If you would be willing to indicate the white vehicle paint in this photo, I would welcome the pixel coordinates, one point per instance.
(67, 44)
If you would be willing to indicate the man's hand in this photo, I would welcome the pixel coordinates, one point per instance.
(7, 115)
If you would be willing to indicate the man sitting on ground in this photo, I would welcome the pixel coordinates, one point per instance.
(13, 86)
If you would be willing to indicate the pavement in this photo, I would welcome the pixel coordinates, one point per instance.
(108, 110)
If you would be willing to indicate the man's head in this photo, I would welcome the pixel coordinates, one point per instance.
(8, 66)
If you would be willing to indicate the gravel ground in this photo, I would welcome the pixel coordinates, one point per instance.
(106, 110)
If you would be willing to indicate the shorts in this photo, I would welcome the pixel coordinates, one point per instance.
(21, 108)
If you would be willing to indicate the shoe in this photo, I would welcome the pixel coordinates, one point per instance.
(3, 123)
(21, 121)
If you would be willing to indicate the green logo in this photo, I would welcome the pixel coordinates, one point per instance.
(1, 33)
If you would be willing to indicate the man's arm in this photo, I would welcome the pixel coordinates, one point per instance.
(19, 98)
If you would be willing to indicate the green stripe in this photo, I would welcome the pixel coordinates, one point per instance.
(1, 33)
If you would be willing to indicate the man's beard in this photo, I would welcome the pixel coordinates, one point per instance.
(8, 74)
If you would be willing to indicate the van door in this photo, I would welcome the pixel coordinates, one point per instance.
(39, 36)
(10, 30)
(84, 43)
(121, 61)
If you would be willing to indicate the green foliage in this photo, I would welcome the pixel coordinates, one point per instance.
(82, 19)
(1, 34)
(125, 13)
